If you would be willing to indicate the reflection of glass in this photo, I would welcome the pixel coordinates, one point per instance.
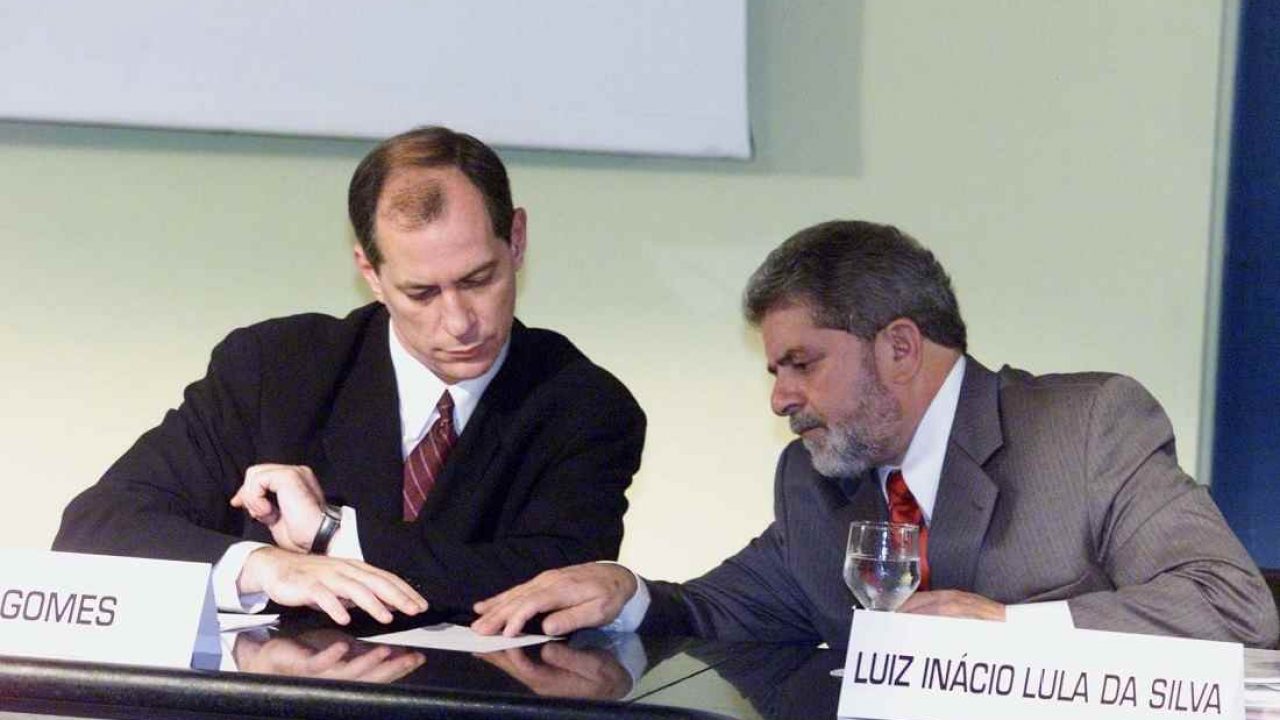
(882, 563)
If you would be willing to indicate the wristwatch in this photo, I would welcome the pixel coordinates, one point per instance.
(330, 521)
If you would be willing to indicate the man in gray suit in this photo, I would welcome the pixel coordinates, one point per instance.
(1055, 495)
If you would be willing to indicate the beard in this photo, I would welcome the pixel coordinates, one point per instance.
(859, 441)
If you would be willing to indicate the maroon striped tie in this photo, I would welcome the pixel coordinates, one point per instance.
(425, 463)
(903, 508)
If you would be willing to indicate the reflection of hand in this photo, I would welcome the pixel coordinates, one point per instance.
(581, 596)
(591, 673)
(328, 584)
(325, 654)
(953, 603)
(295, 515)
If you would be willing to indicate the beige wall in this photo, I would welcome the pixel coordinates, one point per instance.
(1057, 155)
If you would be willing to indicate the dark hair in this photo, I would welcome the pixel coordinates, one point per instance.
(427, 147)
(858, 277)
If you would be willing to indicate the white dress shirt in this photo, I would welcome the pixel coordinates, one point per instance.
(420, 391)
(922, 469)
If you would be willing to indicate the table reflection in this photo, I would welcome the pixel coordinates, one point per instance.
(587, 666)
(325, 653)
(590, 665)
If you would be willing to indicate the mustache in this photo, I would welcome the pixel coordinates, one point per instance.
(800, 422)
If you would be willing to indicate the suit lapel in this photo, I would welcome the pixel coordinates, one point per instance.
(966, 494)
(362, 436)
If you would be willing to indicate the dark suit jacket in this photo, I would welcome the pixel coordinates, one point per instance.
(1059, 487)
(535, 481)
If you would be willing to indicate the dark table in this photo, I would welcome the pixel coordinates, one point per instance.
(311, 669)
(314, 670)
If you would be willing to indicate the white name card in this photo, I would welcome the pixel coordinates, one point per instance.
(908, 667)
(67, 606)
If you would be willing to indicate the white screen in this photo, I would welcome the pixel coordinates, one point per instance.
(664, 77)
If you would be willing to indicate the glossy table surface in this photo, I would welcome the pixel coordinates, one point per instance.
(312, 670)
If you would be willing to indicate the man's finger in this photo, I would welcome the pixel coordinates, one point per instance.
(517, 616)
(544, 580)
(325, 600)
(563, 622)
(361, 595)
(510, 616)
(390, 588)
(252, 496)
(374, 587)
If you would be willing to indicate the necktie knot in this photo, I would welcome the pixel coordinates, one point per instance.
(445, 409)
(903, 507)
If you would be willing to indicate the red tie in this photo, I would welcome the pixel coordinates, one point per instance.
(903, 508)
(424, 464)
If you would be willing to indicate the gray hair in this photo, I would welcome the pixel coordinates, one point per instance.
(858, 277)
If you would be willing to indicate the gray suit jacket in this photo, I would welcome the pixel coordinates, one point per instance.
(1056, 487)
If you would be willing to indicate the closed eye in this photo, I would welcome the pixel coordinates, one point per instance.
(425, 294)
(477, 280)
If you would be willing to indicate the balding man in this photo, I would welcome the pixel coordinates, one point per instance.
(427, 447)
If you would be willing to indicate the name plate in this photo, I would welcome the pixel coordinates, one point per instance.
(67, 606)
(902, 667)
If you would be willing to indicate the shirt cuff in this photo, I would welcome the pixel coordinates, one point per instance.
(1054, 615)
(225, 574)
(633, 612)
(346, 541)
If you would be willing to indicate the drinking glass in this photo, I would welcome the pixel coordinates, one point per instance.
(882, 563)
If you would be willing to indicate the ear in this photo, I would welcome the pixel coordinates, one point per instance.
(519, 237)
(899, 351)
(369, 272)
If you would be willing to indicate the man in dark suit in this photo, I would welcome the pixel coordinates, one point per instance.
(427, 447)
(1057, 496)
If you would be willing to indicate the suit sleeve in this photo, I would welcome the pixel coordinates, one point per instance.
(167, 496)
(750, 596)
(570, 513)
(1176, 566)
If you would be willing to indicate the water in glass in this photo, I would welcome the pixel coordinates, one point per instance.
(882, 563)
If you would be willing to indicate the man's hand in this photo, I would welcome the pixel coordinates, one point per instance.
(953, 603)
(592, 673)
(328, 584)
(588, 595)
(325, 654)
(295, 515)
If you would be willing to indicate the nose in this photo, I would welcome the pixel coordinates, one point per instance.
(785, 399)
(457, 316)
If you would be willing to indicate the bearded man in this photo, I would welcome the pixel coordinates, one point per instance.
(1058, 495)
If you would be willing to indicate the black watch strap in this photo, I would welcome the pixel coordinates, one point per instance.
(330, 521)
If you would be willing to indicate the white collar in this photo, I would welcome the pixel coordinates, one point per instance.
(419, 390)
(922, 464)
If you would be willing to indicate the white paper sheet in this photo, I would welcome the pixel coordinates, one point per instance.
(240, 621)
(446, 636)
